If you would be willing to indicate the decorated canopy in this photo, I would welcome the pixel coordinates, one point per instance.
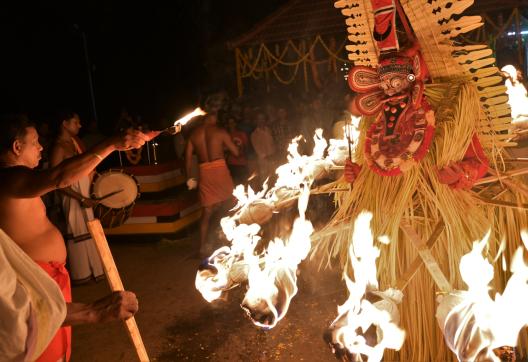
(305, 40)
(300, 41)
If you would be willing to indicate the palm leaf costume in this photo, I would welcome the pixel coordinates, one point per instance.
(465, 91)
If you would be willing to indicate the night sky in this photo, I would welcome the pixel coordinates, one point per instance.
(156, 59)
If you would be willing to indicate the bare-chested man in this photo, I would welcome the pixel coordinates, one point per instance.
(23, 217)
(215, 184)
(76, 205)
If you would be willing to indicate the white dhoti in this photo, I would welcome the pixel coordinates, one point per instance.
(83, 257)
(32, 307)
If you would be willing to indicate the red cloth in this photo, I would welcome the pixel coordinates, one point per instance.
(216, 184)
(463, 174)
(476, 153)
(352, 171)
(241, 140)
(59, 348)
(79, 145)
(385, 25)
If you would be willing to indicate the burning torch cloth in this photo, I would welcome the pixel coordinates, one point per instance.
(216, 184)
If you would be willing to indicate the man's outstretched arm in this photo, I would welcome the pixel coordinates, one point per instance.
(23, 182)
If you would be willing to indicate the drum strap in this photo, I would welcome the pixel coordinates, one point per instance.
(77, 146)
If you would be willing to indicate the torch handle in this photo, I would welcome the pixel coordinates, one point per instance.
(114, 280)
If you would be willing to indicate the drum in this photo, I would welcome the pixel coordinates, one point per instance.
(117, 192)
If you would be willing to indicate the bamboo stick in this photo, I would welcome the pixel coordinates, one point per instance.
(429, 261)
(518, 159)
(97, 232)
(315, 191)
(514, 186)
(500, 203)
(411, 271)
(518, 172)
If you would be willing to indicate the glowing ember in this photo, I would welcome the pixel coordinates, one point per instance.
(183, 121)
(368, 321)
(475, 325)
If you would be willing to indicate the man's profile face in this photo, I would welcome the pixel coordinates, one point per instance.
(72, 125)
(30, 149)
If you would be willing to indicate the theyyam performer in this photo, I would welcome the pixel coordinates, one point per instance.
(430, 165)
(436, 122)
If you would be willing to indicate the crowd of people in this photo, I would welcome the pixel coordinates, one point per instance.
(263, 130)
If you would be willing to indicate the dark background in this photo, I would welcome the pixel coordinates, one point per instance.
(157, 59)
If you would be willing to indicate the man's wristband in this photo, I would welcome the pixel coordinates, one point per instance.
(98, 156)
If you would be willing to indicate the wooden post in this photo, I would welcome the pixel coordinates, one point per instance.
(429, 261)
(518, 30)
(97, 232)
(238, 61)
(404, 280)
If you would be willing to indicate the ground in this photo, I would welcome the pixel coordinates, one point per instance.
(177, 324)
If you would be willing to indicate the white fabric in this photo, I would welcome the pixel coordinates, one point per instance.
(32, 307)
(455, 315)
(83, 255)
(518, 100)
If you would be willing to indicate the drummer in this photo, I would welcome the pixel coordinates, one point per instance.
(23, 215)
(84, 260)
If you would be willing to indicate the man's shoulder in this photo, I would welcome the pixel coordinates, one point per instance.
(59, 147)
(60, 144)
(218, 130)
(9, 175)
(14, 169)
(197, 130)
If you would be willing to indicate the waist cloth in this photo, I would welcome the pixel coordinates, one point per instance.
(59, 348)
(216, 184)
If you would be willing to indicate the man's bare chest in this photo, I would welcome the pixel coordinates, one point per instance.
(68, 150)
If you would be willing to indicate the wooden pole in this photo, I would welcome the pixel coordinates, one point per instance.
(518, 30)
(513, 173)
(238, 61)
(411, 271)
(428, 259)
(97, 232)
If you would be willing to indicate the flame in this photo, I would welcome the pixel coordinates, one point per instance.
(272, 286)
(351, 331)
(474, 323)
(271, 274)
(339, 148)
(183, 121)
(518, 97)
